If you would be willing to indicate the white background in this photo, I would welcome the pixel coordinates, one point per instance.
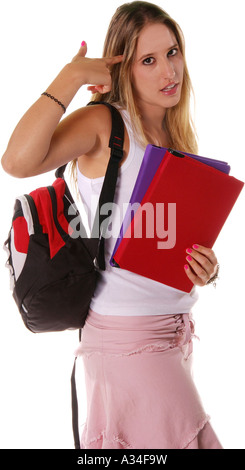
(37, 40)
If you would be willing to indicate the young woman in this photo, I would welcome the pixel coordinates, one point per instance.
(136, 343)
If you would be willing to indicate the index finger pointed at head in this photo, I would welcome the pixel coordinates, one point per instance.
(114, 60)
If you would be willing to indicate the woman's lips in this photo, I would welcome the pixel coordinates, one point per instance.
(170, 89)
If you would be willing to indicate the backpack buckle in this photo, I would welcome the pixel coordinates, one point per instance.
(117, 153)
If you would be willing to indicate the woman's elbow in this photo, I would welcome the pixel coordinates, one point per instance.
(13, 166)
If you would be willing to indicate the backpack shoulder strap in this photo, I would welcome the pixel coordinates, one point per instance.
(108, 189)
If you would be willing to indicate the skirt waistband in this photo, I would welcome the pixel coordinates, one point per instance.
(144, 322)
(112, 334)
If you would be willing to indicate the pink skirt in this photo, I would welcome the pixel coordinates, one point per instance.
(140, 390)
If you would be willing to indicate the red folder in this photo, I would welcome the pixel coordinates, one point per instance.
(187, 202)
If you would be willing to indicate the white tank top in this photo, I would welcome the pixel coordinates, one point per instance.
(120, 292)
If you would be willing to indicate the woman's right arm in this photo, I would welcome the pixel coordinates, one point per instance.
(40, 142)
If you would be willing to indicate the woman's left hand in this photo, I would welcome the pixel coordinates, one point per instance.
(202, 264)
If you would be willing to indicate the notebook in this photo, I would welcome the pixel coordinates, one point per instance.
(186, 202)
(150, 163)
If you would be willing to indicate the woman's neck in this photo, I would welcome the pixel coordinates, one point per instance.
(152, 119)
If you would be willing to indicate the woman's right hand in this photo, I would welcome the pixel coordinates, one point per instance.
(95, 72)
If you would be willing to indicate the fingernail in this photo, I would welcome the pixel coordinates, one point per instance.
(189, 258)
(83, 43)
(189, 250)
(195, 247)
(186, 266)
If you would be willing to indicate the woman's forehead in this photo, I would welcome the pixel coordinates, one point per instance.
(155, 37)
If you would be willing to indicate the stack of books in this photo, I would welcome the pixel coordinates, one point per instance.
(179, 199)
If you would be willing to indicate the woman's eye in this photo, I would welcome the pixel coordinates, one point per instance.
(148, 61)
(172, 52)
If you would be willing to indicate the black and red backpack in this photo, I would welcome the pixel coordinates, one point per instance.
(53, 271)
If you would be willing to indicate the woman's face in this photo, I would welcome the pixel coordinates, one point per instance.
(157, 71)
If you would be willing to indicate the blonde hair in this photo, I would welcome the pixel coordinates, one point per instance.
(122, 36)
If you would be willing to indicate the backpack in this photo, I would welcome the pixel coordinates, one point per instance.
(54, 270)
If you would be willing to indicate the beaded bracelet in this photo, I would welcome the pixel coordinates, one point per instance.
(214, 278)
(55, 99)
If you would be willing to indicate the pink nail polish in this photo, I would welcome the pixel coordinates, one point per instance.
(189, 258)
(189, 250)
(195, 247)
(186, 266)
(83, 43)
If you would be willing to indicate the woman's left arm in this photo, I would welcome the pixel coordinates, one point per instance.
(202, 265)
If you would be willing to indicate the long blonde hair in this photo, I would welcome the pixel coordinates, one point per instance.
(122, 36)
(121, 39)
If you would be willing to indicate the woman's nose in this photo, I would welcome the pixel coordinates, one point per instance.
(167, 70)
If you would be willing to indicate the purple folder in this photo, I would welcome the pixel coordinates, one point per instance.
(150, 163)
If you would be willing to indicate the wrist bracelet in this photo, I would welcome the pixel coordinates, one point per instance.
(214, 278)
(55, 99)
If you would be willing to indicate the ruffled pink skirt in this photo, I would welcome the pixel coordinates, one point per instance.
(140, 390)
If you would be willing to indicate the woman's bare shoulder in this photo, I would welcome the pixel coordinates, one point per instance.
(97, 115)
